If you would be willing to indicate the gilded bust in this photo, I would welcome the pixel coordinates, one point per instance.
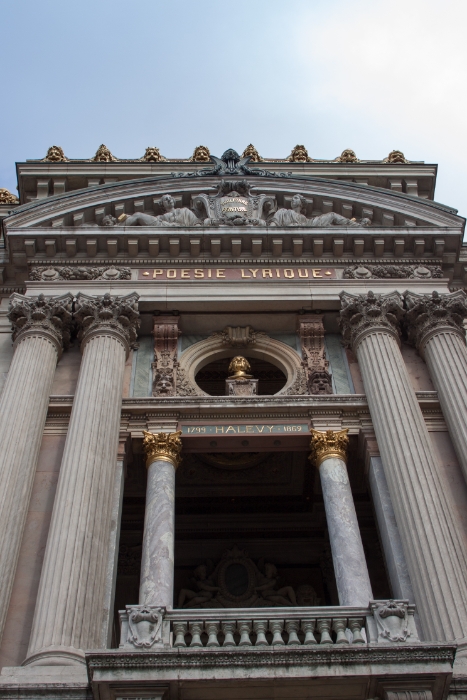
(239, 368)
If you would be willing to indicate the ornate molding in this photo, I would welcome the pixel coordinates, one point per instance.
(144, 626)
(165, 447)
(50, 274)
(113, 315)
(49, 316)
(369, 313)
(238, 336)
(363, 272)
(428, 315)
(166, 333)
(328, 444)
(314, 361)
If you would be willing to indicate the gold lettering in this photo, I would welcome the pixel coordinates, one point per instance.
(270, 427)
(278, 273)
(243, 274)
(230, 429)
(239, 429)
(185, 274)
(220, 273)
(219, 429)
(304, 271)
(209, 273)
(317, 273)
(249, 428)
(157, 272)
(254, 272)
(267, 273)
(259, 428)
(289, 274)
(199, 274)
(171, 274)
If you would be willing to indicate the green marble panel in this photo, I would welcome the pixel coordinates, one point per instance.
(142, 359)
(338, 364)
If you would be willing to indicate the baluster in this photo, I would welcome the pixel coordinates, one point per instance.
(212, 628)
(260, 627)
(228, 628)
(180, 630)
(196, 628)
(291, 627)
(355, 627)
(324, 627)
(244, 627)
(339, 627)
(307, 627)
(276, 627)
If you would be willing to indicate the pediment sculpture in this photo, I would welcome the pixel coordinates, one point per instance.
(238, 582)
(294, 217)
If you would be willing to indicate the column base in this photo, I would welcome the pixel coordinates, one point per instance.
(56, 656)
(34, 682)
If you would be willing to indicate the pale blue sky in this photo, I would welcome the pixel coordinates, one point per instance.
(370, 75)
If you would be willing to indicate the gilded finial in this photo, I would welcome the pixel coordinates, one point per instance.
(328, 444)
(6, 197)
(162, 446)
(347, 156)
(201, 154)
(239, 368)
(55, 154)
(299, 155)
(103, 155)
(395, 157)
(153, 155)
(251, 152)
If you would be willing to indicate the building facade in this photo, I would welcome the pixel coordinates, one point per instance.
(233, 429)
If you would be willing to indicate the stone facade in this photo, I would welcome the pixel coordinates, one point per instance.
(232, 429)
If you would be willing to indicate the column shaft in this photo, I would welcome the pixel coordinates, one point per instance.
(353, 582)
(157, 564)
(70, 601)
(23, 411)
(434, 551)
(446, 356)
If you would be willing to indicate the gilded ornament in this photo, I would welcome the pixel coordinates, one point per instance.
(103, 155)
(55, 154)
(153, 155)
(347, 156)
(395, 157)
(239, 368)
(164, 447)
(328, 444)
(201, 154)
(251, 152)
(6, 197)
(299, 155)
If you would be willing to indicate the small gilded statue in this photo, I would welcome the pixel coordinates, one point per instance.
(239, 368)
(240, 381)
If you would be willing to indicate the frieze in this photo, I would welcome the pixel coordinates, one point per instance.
(50, 274)
(362, 272)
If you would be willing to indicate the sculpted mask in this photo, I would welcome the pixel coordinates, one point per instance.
(55, 154)
(299, 155)
(201, 154)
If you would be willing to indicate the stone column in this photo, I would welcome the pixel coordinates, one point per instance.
(71, 600)
(40, 329)
(328, 452)
(157, 563)
(433, 546)
(435, 327)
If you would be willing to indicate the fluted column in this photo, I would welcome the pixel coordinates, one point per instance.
(434, 549)
(40, 329)
(71, 598)
(157, 563)
(435, 327)
(328, 452)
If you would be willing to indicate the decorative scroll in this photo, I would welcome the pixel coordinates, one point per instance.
(166, 333)
(314, 361)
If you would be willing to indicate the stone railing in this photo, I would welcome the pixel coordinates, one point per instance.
(383, 622)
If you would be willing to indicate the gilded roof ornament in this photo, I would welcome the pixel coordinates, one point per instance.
(165, 447)
(201, 154)
(299, 155)
(6, 197)
(103, 155)
(347, 156)
(395, 157)
(251, 152)
(55, 154)
(153, 155)
(328, 444)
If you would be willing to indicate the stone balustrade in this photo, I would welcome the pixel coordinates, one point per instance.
(382, 622)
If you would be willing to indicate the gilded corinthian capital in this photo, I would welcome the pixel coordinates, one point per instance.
(46, 316)
(329, 444)
(428, 314)
(365, 313)
(113, 315)
(165, 447)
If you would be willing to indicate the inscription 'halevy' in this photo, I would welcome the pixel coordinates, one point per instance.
(250, 429)
(262, 274)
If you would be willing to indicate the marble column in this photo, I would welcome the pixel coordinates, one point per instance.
(157, 564)
(434, 549)
(328, 452)
(41, 327)
(435, 326)
(71, 600)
